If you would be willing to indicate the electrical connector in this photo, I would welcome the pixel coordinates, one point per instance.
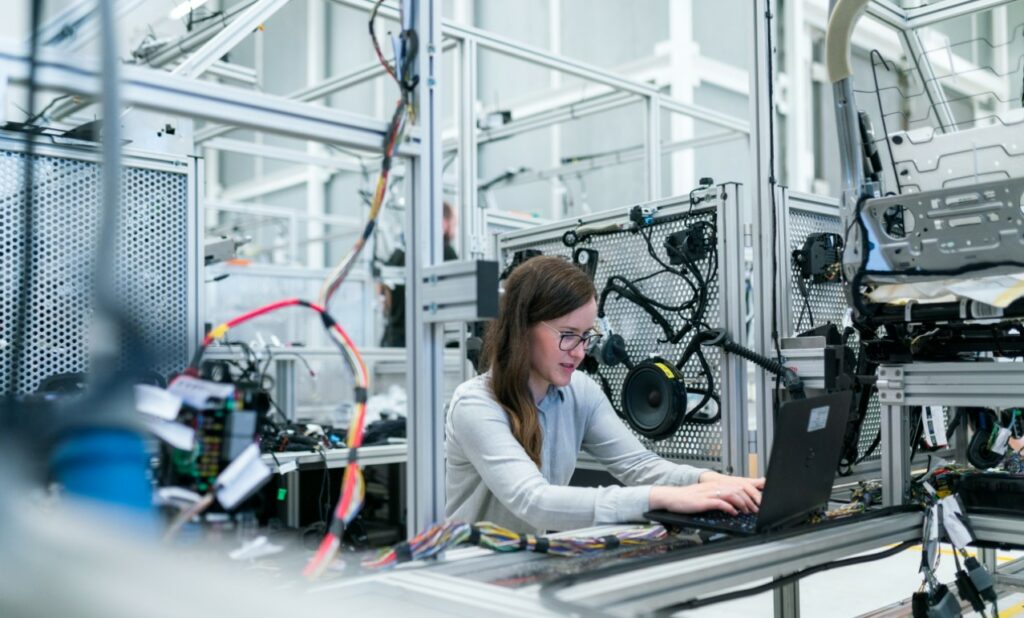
(966, 590)
(982, 579)
(642, 216)
(940, 603)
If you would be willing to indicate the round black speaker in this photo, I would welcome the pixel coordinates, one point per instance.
(978, 453)
(654, 398)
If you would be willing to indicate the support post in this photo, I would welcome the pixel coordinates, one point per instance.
(786, 600)
(895, 455)
(425, 382)
(652, 162)
(761, 109)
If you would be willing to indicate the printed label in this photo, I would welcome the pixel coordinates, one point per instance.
(819, 419)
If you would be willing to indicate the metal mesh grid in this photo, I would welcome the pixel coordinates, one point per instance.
(827, 302)
(626, 254)
(151, 278)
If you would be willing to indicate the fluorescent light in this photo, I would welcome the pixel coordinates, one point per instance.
(182, 9)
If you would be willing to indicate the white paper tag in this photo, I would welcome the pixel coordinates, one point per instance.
(176, 496)
(930, 540)
(953, 520)
(173, 433)
(1002, 440)
(818, 420)
(242, 478)
(157, 402)
(288, 466)
(197, 393)
(256, 548)
(933, 424)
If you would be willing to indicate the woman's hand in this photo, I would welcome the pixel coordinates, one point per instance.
(751, 487)
(725, 495)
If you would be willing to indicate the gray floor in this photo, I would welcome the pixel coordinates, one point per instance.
(862, 590)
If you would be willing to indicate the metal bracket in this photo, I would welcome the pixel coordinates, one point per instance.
(890, 385)
(951, 384)
(811, 359)
(460, 291)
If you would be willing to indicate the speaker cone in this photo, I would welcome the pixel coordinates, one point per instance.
(654, 398)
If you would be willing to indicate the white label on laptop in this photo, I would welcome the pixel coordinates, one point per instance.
(818, 420)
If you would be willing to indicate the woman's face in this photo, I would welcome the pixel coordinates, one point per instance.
(549, 364)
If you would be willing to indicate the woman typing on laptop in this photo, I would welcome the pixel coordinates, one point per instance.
(513, 434)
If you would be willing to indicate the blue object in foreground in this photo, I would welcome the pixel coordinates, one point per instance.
(106, 465)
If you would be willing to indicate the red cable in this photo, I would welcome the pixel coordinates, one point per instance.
(321, 553)
(245, 317)
(289, 302)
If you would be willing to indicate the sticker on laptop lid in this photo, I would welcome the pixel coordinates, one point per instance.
(819, 418)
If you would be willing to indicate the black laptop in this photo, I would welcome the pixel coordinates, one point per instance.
(805, 453)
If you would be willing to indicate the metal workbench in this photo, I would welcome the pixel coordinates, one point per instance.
(639, 587)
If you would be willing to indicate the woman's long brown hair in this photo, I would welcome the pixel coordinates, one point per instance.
(543, 288)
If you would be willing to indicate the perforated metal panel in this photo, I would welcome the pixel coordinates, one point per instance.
(826, 302)
(626, 254)
(153, 280)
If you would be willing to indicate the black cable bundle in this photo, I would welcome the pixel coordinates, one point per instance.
(702, 235)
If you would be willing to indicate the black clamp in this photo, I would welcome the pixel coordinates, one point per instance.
(337, 527)
(611, 541)
(720, 338)
(403, 553)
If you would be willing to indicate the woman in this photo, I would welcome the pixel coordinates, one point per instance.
(514, 433)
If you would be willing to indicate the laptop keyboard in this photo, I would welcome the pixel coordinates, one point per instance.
(744, 521)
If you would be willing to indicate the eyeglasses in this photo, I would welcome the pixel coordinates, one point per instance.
(570, 341)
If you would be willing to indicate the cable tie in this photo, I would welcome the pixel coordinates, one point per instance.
(474, 535)
(611, 541)
(403, 553)
(907, 309)
(524, 542)
(369, 229)
(361, 394)
(337, 527)
(353, 455)
(327, 319)
(218, 331)
(542, 545)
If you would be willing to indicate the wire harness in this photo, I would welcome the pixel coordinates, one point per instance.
(353, 484)
(440, 537)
